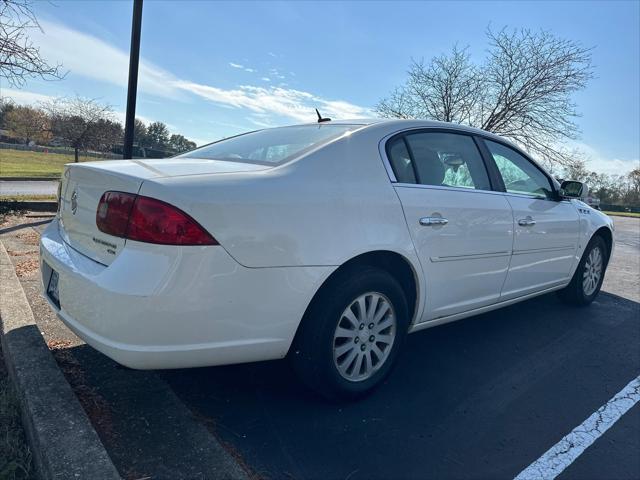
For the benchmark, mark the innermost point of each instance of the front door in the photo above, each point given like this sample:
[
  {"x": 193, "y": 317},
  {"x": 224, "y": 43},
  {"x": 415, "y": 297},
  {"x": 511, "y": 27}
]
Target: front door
[
  {"x": 546, "y": 230},
  {"x": 461, "y": 230}
]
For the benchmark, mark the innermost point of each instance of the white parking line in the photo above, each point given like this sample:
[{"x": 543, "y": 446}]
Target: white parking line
[{"x": 567, "y": 450}]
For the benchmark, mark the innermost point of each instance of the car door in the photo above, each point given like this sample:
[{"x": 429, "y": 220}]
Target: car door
[
  {"x": 462, "y": 231},
  {"x": 546, "y": 228}
]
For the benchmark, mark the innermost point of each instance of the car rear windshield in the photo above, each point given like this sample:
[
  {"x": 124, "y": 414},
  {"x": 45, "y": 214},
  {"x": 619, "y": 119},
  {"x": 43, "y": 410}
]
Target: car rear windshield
[{"x": 272, "y": 146}]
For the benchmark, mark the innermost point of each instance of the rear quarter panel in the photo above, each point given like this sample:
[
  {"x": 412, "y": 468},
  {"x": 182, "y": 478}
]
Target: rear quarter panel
[{"x": 322, "y": 209}]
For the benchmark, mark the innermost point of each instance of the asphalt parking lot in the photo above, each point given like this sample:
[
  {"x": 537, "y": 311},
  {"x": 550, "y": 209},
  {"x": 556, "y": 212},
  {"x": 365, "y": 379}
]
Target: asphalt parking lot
[{"x": 480, "y": 398}]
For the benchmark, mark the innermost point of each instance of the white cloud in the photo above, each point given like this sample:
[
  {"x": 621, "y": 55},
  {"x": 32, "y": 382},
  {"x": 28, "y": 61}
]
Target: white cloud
[
  {"x": 598, "y": 162},
  {"x": 294, "y": 104},
  {"x": 88, "y": 56},
  {"x": 266, "y": 79},
  {"x": 25, "y": 98},
  {"x": 616, "y": 166},
  {"x": 121, "y": 117},
  {"x": 276, "y": 73},
  {"x": 242, "y": 67},
  {"x": 261, "y": 123}
]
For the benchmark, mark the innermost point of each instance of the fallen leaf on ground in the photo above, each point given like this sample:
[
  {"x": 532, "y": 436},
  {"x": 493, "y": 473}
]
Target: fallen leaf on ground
[
  {"x": 58, "y": 344},
  {"x": 19, "y": 254},
  {"x": 27, "y": 267},
  {"x": 30, "y": 237}
]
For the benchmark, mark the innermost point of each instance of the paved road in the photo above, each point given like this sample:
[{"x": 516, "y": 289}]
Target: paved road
[
  {"x": 623, "y": 274},
  {"x": 10, "y": 187},
  {"x": 480, "y": 398}
]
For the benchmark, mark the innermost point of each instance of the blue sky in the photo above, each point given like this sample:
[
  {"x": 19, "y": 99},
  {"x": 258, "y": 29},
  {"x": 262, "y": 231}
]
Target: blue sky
[{"x": 212, "y": 69}]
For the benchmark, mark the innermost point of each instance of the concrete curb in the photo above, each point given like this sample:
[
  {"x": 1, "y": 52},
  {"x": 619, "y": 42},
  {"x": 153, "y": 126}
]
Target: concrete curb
[
  {"x": 62, "y": 439},
  {"x": 29, "y": 179},
  {"x": 35, "y": 206}
]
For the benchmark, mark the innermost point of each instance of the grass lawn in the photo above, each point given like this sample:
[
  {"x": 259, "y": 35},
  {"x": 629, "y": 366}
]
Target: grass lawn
[
  {"x": 18, "y": 163},
  {"x": 624, "y": 214},
  {"x": 27, "y": 198}
]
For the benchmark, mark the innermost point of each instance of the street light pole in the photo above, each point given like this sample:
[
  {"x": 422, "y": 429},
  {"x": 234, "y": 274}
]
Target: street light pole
[{"x": 134, "y": 60}]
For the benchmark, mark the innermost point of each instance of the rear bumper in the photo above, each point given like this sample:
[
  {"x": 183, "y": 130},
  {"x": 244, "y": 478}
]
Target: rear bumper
[{"x": 159, "y": 306}]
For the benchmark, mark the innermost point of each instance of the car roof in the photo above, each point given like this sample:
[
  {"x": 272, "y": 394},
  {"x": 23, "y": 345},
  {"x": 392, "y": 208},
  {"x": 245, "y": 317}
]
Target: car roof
[{"x": 402, "y": 123}]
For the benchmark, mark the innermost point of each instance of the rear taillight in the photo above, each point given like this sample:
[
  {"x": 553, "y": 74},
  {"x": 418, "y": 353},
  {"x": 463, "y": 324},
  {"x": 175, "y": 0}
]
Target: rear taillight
[
  {"x": 146, "y": 219},
  {"x": 113, "y": 213}
]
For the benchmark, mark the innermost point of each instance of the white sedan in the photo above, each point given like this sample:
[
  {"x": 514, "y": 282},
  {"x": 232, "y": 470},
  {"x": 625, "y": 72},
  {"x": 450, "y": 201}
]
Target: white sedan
[{"x": 326, "y": 243}]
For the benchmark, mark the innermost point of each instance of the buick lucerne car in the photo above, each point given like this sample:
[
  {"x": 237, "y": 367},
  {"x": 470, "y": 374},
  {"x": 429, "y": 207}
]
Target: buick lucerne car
[{"x": 325, "y": 243}]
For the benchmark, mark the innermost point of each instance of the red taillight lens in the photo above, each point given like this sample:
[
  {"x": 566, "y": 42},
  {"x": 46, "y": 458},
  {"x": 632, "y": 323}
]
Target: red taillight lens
[
  {"x": 114, "y": 211},
  {"x": 154, "y": 221},
  {"x": 148, "y": 220}
]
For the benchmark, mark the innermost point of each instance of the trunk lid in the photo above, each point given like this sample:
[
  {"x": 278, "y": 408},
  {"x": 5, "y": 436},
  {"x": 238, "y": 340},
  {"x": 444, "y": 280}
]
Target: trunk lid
[
  {"x": 80, "y": 193},
  {"x": 83, "y": 184}
]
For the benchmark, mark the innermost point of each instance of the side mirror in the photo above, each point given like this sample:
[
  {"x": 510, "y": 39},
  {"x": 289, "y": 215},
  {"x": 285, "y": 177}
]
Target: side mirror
[{"x": 573, "y": 189}]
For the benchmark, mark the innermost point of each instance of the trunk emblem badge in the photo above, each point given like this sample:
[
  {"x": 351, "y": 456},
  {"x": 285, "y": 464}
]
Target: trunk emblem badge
[{"x": 74, "y": 202}]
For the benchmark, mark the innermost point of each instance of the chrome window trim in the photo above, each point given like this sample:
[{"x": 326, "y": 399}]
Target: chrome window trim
[
  {"x": 442, "y": 187},
  {"x": 382, "y": 149},
  {"x": 534, "y": 197},
  {"x": 474, "y": 190},
  {"x": 392, "y": 176}
]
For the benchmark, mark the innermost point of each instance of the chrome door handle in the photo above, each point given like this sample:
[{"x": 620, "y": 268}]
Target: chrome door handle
[
  {"x": 433, "y": 221},
  {"x": 526, "y": 222}
]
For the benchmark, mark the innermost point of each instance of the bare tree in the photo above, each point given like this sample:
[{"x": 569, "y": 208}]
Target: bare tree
[
  {"x": 634, "y": 187},
  {"x": 83, "y": 124},
  {"x": 28, "y": 124},
  {"x": 20, "y": 59},
  {"x": 446, "y": 89},
  {"x": 521, "y": 91}
]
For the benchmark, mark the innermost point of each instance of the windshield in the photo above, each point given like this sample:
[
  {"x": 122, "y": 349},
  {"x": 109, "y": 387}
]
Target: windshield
[{"x": 271, "y": 146}]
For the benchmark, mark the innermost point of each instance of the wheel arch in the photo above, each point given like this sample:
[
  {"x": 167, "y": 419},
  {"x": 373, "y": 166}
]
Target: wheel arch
[
  {"x": 607, "y": 236},
  {"x": 396, "y": 264}
]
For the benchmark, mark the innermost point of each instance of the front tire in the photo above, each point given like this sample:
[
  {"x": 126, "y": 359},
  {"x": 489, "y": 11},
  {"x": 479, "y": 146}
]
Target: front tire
[
  {"x": 351, "y": 334},
  {"x": 588, "y": 277}
]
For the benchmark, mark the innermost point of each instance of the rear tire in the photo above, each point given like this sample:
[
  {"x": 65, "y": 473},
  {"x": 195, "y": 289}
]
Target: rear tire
[
  {"x": 588, "y": 277},
  {"x": 351, "y": 334}
]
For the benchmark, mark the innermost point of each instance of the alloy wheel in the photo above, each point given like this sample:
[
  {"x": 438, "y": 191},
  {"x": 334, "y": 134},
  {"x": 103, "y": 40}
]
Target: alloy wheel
[
  {"x": 364, "y": 336},
  {"x": 592, "y": 271}
]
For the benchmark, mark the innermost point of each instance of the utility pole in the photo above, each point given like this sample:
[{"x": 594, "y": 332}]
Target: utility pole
[{"x": 134, "y": 60}]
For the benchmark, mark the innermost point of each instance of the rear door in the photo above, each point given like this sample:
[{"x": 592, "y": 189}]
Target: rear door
[
  {"x": 462, "y": 231},
  {"x": 546, "y": 229}
]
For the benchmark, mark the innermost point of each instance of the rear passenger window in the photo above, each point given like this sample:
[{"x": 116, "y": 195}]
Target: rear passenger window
[
  {"x": 442, "y": 159},
  {"x": 401, "y": 161}
]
